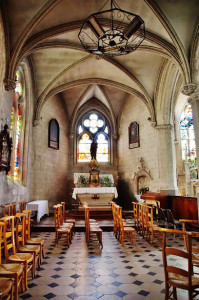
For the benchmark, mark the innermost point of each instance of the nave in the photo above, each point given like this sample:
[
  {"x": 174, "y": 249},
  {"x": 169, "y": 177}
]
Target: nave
[{"x": 116, "y": 272}]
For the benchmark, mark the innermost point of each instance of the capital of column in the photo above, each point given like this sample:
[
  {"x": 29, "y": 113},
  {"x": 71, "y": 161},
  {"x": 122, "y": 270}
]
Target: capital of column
[
  {"x": 193, "y": 98},
  {"x": 71, "y": 136},
  {"x": 188, "y": 89},
  {"x": 153, "y": 124},
  {"x": 36, "y": 123},
  {"x": 115, "y": 137},
  {"x": 9, "y": 84}
]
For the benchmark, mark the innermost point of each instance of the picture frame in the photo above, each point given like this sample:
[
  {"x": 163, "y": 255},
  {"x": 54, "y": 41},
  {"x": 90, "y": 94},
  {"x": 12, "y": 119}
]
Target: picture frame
[
  {"x": 134, "y": 139},
  {"x": 53, "y": 134}
]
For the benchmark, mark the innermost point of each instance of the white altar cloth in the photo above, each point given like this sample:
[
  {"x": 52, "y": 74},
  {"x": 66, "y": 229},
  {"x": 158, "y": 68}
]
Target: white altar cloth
[
  {"x": 94, "y": 190},
  {"x": 41, "y": 206}
]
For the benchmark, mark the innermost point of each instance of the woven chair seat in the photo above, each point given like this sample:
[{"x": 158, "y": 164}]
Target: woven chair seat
[
  {"x": 27, "y": 248},
  {"x": 66, "y": 225},
  {"x": 96, "y": 229},
  {"x": 129, "y": 229},
  {"x": 5, "y": 286},
  {"x": 62, "y": 230},
  {"x": 21, "y": 256},
  {"x": 183, "y": 281},
  {"x": 12, "y": 268},
  {"x": 35, "y": 241}
]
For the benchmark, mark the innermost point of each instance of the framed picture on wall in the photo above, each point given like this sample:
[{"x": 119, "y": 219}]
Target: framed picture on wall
[
  {"x": 53, "y": 134},
  {"x": 134, "y": 139}
]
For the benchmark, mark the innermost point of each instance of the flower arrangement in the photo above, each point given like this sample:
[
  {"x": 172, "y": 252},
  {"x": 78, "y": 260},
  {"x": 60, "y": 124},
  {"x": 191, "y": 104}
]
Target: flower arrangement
[
  {"x": 82, "y": 181},
  {"x": 94, "y": 164},
  {"x": 106, "y": 181}
]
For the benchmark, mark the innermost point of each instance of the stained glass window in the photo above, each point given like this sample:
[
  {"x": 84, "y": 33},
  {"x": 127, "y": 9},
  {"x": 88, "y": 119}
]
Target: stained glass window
[
  {"x": 18, "y": 88},
  {"x": 17, "y": 146},
  {"x": 16, "y": 132},
  {"x": 84, "y": 148},
  {"x": 187, "y": 134},
  {"x": 93, "y": 127}
]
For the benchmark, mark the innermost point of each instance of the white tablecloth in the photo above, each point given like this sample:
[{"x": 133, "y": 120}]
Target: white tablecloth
[
  {"x": 95, "y": 190},
  {"x": 41, "y": 206}
]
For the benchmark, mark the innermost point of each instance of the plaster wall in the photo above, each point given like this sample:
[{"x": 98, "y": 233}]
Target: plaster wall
[
  {"x": 50, "y": 166},
  {"x": 128, "y": 159}
]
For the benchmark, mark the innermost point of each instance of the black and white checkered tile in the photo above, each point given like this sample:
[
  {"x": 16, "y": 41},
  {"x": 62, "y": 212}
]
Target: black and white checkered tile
[{"x": 90, "y": 273}]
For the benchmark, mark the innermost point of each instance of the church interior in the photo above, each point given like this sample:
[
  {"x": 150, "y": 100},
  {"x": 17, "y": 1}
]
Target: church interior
[{"x": 99, "y": 106}]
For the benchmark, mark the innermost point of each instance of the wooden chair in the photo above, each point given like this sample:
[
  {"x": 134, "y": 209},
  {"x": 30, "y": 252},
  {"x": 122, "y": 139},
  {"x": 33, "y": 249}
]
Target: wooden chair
[
  {"x": 20, "y": 240},
  {"x": 177, "y": 277},
  {"x": 63, "y": 222},
  {"x": 118, "y": 211},
  {"x": 152, "y": 229},
  {"x": 140, "y": 217},
  {"x": 6, "y": 288},
  {"x": 32, "y": 240},
  {"x": 195, "y": 250},
  {"x": 92, "y": 229},
  {"x": 59, "y": 231},
  {"x": 64, "y": 215},
  {"x": 135, "y": 213},
  {"x": 126, "y": 232},
  {"x": 22, "y": 206},
  {"x": 145, "y": 211},
  {"x": 7, "y": 210},
  {"x": 113, "y": 205},
  {"x": 27, "y": 259},
  {"x": 14, "y": 271}
]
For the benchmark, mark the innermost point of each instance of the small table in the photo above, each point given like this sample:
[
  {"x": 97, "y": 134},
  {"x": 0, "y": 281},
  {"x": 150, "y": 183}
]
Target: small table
[{"x": 40, "y": 206}]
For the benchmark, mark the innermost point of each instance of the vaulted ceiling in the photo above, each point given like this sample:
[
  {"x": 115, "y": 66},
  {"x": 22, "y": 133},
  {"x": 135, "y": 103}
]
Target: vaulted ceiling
[{"x": 45, "y": 32}]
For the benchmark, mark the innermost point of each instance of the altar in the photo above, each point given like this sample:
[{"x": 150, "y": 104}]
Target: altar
[{"x": 95, "y": 196}]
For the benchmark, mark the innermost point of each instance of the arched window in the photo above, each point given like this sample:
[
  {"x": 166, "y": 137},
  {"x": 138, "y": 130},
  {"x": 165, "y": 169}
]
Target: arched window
[
  {"x": 187, "y": 135},
  {"x": 53, "y": 134},
  {"x": 93, "y": 127},
  {"x": 17, "y": 130}
]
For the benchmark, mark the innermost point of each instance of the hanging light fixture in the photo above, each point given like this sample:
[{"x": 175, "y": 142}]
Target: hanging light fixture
[{"x": 112, "y": 32}]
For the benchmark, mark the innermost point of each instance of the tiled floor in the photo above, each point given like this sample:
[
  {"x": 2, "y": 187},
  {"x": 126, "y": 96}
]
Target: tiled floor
[{"x": 116, "y": 272}]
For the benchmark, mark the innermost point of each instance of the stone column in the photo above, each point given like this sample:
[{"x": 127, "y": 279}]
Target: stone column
[
  {"x": 166, "y": 159},
  {"x": 194, "y": 101}
]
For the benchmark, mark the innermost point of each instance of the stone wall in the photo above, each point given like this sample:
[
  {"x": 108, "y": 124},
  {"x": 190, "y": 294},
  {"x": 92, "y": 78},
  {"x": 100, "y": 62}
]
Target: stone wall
[
  {"x": 50, "y": 166},
  {"x": 129, "y": 159}
]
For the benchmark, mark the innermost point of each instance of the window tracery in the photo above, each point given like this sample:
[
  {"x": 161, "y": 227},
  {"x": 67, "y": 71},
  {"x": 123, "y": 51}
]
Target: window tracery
[{"x": 93, "y": 127}]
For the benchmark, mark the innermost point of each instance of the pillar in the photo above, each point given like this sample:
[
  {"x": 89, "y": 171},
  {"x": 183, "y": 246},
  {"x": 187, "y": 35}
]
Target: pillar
[
  {"x": 194, "y": 101},
  {"x": 166, "y": 159}
]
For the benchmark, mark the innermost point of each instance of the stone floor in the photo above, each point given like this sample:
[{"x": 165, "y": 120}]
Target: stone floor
[{"x": 89, "y": 273}]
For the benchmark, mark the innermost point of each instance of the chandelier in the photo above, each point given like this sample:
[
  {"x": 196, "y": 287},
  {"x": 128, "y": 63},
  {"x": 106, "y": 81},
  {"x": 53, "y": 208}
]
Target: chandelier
[{"x": 112, "y": 32}]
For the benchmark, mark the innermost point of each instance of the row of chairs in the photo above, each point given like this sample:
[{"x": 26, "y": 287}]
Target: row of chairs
[
  {"x": 143, "y": 216},
  {"x": 121, "y": 229},
  {"x": 63, "y": 226},
  {"x": 21, "y": 256},
  {"x": 13, "y": 208},
  {"x": 91, "y": 227}
]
